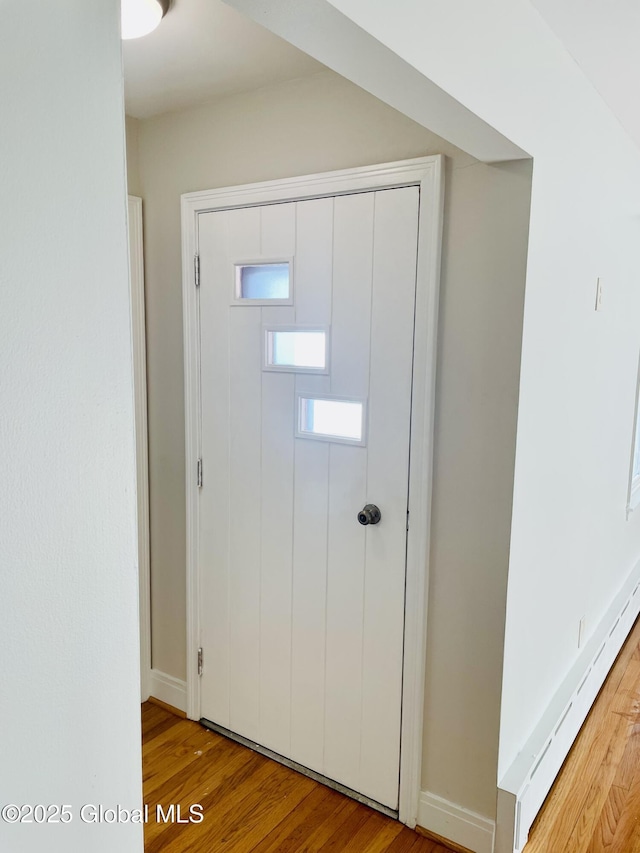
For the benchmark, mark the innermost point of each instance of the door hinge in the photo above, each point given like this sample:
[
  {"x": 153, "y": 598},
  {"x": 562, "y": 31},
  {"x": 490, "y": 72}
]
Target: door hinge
[
  {"x": 196, "y": 269},
  {"x": 407, "y": 521},
  {"x": 199, "y": 474},
  {"x": 200, "y": 661}
]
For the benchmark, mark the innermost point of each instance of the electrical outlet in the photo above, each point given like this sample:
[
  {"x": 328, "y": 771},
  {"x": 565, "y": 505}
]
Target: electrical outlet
[
  {"x": 582, "y": 624},
  {"x": 599, "y": 294}
]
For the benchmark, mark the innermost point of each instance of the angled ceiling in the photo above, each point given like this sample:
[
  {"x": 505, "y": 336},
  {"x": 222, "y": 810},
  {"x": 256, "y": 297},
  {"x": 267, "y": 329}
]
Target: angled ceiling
[
  {"x": 603, "y": 37},
  {"x": 202, "y": 51},
  {"x": 205, "y": 50}
]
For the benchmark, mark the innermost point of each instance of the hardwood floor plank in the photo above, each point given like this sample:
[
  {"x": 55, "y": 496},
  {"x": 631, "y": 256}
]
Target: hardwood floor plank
[
  {"x": 326, "y": 829},
  {"x": 337, "y": 842},
  {"x": 385, "y": 834},
  {"x": 291, "y": 833},
  {"x": 160, "y": 727},
  {"x": 262, "y": 810},
  {"x": 610, "y": 815},
  {"x": 157, "y": 723},
  {"x": 427, "y": 845},
  {"x": 160, "y": 742},
  {"x": 630, "y": 762},
  {"x": 597, "y": 793},
  {"x": 628, "y": 705},
  {"x": 151, "y": 715},
  {"x": 374, "y": 835},
  {"x": 235, "y": 777},
  {"x": 408, "y": 841},
  {"x": 165, "y": 750},
  {"x": 193, "y": 772},
  {"x": 217, "y": 769},
  {"x": 626, "y": 836}
]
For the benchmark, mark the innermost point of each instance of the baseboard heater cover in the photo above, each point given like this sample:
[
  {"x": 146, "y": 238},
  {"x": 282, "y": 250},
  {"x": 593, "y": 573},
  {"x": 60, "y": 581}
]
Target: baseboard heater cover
[{"x": 524, "y": 787}]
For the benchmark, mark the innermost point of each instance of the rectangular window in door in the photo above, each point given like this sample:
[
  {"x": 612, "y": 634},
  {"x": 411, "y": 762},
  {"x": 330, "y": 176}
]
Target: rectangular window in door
[
  {"x": 296, "y": 349},
  {"x": 333, "y": 419},
  {"x": 268, "y": 282}
]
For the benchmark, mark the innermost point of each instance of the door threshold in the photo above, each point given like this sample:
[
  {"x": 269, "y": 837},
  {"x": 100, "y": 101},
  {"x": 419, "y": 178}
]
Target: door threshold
[{"x": 288, "y": 762}]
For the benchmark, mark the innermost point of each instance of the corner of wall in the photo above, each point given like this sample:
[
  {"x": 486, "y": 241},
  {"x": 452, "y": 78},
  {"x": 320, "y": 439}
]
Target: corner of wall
[
  {"x": 453, "y": 823},
  {"x": 132, "y": 129},
  {"x": 172, "y": 691}
]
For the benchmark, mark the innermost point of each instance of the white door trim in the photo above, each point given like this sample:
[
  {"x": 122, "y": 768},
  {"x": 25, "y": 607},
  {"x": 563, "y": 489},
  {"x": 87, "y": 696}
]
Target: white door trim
[
  {"x": 427, "y": 173},
  {"x": 138, "y": 342}
]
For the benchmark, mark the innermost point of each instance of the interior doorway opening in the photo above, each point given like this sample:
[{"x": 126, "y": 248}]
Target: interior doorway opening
[{"x": 309, "y": 121}]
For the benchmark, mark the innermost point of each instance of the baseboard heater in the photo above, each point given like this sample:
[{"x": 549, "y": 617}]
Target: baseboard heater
[{"x": 523, "y": 788}]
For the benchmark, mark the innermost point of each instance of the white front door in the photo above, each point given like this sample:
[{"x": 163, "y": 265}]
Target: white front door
[{"x": 306, "y": 354}]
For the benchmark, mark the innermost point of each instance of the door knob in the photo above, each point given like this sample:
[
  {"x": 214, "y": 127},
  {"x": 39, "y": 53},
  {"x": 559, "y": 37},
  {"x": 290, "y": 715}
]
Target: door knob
[{"x": 369, "y": 515}]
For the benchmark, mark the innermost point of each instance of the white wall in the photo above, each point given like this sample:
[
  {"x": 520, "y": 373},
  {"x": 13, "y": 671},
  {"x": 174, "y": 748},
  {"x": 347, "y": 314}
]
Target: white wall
[
  {"x": 133, "y": 158},
  {"x": 482, "y": 293},
  {"x": 321, "y": 123},
  {"x": 69, "y": 701},
  {"x": 571, "y": 546}
]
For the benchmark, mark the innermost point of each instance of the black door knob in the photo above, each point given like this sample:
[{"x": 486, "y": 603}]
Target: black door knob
[{"x": 369, "y": 515}]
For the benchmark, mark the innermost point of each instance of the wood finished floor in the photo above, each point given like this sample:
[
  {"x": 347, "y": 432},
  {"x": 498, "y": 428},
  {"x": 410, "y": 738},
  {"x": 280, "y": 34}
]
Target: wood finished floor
[
  {"x": 251, "y": 804},
  {"x": 594, "y": 805}
]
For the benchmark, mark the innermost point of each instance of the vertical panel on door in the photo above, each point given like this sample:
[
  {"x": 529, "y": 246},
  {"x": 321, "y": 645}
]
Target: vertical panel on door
[
  {"x": 215, "y": 519},
  {"x": 350, "y": 341},
  {"x": 394, "y": 281},
  {"x": 245, "y": 504},
  {"x": 314, "y": 268},
  {"x": 278, "y": 234}
]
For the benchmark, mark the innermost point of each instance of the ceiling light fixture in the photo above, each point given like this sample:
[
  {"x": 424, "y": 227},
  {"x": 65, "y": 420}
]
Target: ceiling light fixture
[{"x": 140, "y": 17}]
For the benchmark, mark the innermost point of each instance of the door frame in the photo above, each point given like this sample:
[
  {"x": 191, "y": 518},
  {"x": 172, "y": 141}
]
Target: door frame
[
  {"x": 427, "y": 173},
  {"x": 138, "y": 349}
]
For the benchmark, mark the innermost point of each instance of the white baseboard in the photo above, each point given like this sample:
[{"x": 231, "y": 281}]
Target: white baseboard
[
  {"x": 524, "y": 787},
  {"x": 454, "y": 823},
  {"x": 168, "y": 689}
]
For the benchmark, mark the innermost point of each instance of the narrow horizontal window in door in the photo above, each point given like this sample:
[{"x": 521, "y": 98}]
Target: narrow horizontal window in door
[
  {"x": 331, "y": 419},
  {"x": 266, "y": 282},
  {"x": 292, "y": 348}
]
